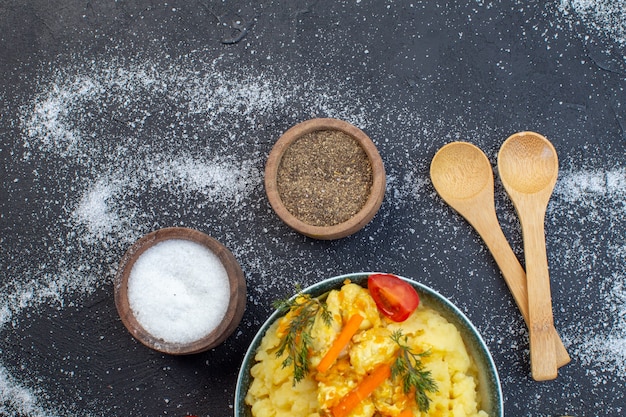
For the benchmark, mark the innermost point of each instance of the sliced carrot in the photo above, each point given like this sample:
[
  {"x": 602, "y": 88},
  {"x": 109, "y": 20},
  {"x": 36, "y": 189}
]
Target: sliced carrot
[
  {"x": 342, "y": 340},
  {"x": 362, "y": 391},
  {"x": 407, "y": 412}
]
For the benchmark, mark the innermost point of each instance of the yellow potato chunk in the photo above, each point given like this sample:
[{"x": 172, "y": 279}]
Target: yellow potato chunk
[{"x": 272, "y": 392}]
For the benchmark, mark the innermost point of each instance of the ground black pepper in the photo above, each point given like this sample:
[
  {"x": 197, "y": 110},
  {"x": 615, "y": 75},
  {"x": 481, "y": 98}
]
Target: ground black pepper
[{"x": 324, "y": 178}]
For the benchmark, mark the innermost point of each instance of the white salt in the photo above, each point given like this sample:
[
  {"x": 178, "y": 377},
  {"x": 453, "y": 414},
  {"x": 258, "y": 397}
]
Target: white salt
[
  {"x": 14, "y": 395},
  {"x": 95, "y": 212},
  {"x": 178, "y": 290},
  {"x": 607, "y": 17}
]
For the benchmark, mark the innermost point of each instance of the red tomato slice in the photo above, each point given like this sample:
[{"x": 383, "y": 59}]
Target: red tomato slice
[{"x": 394, "y": 297}]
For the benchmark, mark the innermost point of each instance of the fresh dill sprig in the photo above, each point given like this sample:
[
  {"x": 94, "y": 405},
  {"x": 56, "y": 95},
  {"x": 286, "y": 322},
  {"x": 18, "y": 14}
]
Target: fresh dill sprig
[
  {"x": 409, "y": 367},
  {"x": 296, "y": 340}
]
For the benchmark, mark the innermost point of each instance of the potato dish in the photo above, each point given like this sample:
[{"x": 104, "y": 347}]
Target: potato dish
[{"x": 274, "y": 393}]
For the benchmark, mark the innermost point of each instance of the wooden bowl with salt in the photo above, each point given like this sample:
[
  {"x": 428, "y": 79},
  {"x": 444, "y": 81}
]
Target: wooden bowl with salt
[
  {"x": 325, "y": 178},
  {"x": 179, "y": 291}
]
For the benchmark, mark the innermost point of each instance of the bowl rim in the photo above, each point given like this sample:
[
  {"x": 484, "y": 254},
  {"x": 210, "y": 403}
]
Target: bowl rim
[
  {"x": 356, "y": 222},
  {"x": 237, "y": 297},
  {"x": 426, "y": 293}
]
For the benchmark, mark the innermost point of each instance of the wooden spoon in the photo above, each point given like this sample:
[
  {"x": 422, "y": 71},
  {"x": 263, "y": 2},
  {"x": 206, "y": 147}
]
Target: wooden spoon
[
  {"x": 463, "y": 177},
  {"x": 528, "y": 167}
]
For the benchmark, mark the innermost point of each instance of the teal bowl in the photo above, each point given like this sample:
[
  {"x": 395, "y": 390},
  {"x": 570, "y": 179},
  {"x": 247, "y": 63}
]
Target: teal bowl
[{"x": 490, "y": 390}]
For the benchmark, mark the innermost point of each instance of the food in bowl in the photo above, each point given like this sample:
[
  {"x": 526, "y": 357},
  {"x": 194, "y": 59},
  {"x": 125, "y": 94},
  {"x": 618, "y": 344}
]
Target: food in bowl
[{"x": 367, "y": 376}]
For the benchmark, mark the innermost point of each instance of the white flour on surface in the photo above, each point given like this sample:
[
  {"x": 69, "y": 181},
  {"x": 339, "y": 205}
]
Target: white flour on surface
[
  {"x": 608, "y": 347},
  {"x": 594, "y": 198},
  {"x": 606, "y": 17},
  {"x": 220, "y": 181},
  {"x": 15, "y": 396}
]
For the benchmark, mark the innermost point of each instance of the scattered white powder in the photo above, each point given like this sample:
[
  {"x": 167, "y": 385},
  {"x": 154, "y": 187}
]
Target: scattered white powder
[
  {"x": 104, "y": 209},
  {"x": 218, "y": 180},
  {"x": 606, "y": 17},
  {"x": 592, "y": 198},
  {"x": 178, "y": 290},
  {"x": 5, "y": 314},
  {"x": 577, "y": 186},
  {"x": 14, "y": 396},
  {"x": 609, "y": 346},
  {"x": 95, "y": 212}
]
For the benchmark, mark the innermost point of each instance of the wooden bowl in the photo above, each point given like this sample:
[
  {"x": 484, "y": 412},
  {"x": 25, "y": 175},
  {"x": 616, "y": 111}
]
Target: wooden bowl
[
  {"x": 236, "y": 301},
  {"x": 353, "y": 224}
]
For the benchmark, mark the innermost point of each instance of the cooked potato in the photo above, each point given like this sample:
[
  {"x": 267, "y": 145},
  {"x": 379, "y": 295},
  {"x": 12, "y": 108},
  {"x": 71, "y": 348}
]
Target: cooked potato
[{"x": 272, "y": 392}]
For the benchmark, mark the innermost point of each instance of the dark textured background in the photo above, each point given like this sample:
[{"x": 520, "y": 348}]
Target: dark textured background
[{"x": 165, "y": 82}]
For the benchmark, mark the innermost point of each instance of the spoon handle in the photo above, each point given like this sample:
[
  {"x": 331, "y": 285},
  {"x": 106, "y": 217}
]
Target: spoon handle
[
  {"x": 541, "y": 321},
  {"x": 514, "y": 275},
  {"x": 486, "y": 224}
]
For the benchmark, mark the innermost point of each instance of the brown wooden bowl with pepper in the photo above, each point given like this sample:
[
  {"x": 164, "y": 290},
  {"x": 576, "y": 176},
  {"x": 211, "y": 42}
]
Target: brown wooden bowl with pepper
[{"x": 325, "y": 178}]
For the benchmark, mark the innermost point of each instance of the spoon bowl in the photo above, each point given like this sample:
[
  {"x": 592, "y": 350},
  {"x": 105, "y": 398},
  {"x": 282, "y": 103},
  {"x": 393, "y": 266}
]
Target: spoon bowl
[
  {"x": 529, "y": 150},
  {"x": 460, "y": 171},
  {"x": 528, "y": 167}
]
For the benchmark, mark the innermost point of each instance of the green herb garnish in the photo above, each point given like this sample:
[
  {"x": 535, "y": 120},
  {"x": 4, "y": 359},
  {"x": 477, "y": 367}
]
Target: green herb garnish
[
  {"x": 297, "y": 340},
  {"x": 409, "y": 367}
]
